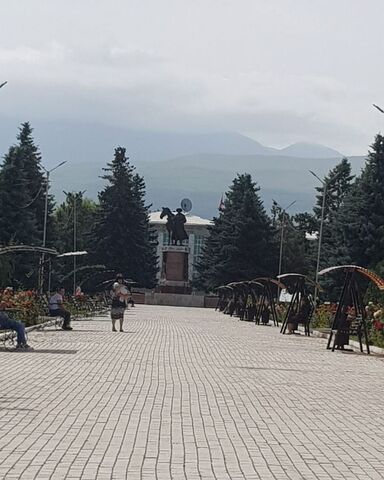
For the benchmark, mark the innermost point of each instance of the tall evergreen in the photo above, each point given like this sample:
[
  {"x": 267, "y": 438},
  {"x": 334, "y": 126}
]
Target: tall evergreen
[
  {"x": 121, "y": 234},
  {"x": 23, "y": 188},
  {"x": 240, "y": 245},
  {"x": 339, "y": 185},
  {"x": 362, "y": 219},
  {"x": 339, "y": 182},
  {"x": 17, "y": 221},
  {"x": 22, "y": 203},
  {"x": 36, "y": 181}
]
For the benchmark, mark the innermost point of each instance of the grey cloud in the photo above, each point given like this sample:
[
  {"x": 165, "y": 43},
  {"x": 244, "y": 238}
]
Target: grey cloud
[{"x": 139, "y": 88}]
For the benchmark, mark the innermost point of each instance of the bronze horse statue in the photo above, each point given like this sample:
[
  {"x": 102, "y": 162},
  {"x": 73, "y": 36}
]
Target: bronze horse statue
[{"x": 175, "y": 225}]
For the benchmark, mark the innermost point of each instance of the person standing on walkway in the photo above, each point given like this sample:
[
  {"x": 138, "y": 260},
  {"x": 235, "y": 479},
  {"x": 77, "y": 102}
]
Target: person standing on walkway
[
  {"x": 56, "y": 308},
  {"x": 120, "y": 296}
]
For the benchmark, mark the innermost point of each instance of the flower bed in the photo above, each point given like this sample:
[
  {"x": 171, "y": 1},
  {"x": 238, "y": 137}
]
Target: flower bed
[
  {"x": 323, "y": 316},
  {"x": 22, "y": 305}
]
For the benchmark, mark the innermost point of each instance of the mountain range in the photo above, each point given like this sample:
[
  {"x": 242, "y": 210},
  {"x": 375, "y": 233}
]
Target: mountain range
[{"x": 178, "y": 165}]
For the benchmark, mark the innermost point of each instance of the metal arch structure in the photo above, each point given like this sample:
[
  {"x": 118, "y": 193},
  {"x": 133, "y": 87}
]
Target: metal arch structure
[
  {"x": 267, "y": 304},
  {"x": 372, "y": 276},
  {"x": 50, "y": 252},
  {"x": 240, "y": 294},
  {"x": 252, "y": 301},
  {"x": 108, "y": 283},
  {"x": 224, "y": 297},
  {"x": 350, "y": 317},
  {"x": 298, "y": 312},
  {"x": 27, "y": 248}
]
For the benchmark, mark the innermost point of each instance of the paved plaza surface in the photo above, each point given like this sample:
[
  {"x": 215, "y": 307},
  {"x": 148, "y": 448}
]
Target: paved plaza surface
[{"x": 188, "y": 393}]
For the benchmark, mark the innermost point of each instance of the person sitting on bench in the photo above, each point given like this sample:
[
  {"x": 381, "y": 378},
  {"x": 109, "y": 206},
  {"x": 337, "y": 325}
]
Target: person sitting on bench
[
  {"x": 56, "y": 308},
  {"x": 7, "y": 323}
]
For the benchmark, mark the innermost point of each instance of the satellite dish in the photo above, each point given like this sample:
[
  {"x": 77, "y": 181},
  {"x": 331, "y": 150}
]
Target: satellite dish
[{"x": 186, "y": 205}]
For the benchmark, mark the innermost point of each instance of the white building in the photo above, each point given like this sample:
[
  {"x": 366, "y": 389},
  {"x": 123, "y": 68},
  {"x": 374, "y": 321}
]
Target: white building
[{"x": 196, "y": 228}]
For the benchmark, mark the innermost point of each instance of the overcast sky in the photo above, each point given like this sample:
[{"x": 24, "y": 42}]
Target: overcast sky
[{"x": 280, "y": 71}]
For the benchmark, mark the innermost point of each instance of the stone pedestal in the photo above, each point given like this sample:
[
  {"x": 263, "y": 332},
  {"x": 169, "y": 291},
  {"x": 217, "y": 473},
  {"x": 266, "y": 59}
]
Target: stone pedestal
[{"x": 174, "y": 275}]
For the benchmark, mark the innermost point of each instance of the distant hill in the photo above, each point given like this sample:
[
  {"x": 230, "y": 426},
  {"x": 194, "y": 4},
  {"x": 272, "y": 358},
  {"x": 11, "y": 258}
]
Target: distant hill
[
  {"x": 309, "y": 150},
  {"x": 84, "y": 142},
  {"x": 203, "y": 178},
  {"x": 177, "y": 165}
]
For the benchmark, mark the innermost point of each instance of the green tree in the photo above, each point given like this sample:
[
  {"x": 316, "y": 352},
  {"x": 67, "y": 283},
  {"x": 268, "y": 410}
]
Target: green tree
[
  {"x": 339, "y": 183},
  {"x": 361, "y": 222},
  {"x": 22, "y": 203},
  {"x": 36, "y": 181},
  {"x": 240, "y": 245},
  {"x": 82, "y": 211},
  {"x": 294, "y": 251},
  {"x": 17, "y": 221},
  {"x": 85, "y": 211},
  {"x": 121, "y": 235}
]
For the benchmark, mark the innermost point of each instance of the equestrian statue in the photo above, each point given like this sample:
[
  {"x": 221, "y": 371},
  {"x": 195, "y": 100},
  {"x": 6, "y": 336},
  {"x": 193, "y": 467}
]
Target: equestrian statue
[{"x": 175, "y": 225}]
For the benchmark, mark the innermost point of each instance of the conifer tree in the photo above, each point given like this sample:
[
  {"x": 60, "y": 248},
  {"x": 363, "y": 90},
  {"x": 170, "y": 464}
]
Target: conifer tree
[
  {"x": 17, "y": 221},
  {"x": 362, "y": 218},
  {"x": 339, "y": 184},
  {"x": 22, "y": 203},
  {"x": 31, "y": 159},
  {"x": 240, "y": 245},
  {"x": 122, "y": 235}
]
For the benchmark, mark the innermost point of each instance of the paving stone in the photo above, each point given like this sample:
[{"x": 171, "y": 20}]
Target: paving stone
[{"x": 188, "y": 394}]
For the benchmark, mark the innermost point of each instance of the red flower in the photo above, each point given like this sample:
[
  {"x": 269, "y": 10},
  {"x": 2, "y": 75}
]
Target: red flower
[{"x": 378, "y": 325}]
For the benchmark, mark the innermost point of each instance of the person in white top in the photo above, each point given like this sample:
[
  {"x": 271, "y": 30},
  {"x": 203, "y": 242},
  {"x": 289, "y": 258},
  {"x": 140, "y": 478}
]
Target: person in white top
[
  {"x": 56, "y": 308},
  {"x": 120, "y": 295}
]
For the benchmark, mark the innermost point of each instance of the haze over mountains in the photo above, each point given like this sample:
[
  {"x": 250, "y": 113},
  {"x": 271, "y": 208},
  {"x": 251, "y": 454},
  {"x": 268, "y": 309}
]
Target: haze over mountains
[{"x": 178, "y": 165}]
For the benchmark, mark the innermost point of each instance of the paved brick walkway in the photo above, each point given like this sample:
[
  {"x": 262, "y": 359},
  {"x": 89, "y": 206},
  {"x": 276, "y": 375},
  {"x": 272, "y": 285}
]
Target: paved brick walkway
[{"x": 188, "y": 394}]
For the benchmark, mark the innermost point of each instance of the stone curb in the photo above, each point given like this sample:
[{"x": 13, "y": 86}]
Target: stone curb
[{"x": 355, "y": 345}]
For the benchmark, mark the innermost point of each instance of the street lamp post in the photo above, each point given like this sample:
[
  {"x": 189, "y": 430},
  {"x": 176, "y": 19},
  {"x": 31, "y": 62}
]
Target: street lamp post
[
  {"x": 325, "y": 185},
  {"x": 48, "y": 172},
  {"x": 74, "y": 243},
  {"x": 75, "y": 237},
  {"x": 283, "y": 211},
  {"x": 74, "y": 199}
]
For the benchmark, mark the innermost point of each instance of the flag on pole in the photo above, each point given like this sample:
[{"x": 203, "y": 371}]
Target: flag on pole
[{"x": 221, "y": 204}]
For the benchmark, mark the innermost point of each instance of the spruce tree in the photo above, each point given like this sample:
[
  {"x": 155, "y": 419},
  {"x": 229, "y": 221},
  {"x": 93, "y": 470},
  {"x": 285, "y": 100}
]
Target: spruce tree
[
  {"x": 362, "y": 219},
  {"x": 339, "y": 185},
  {"x": 339, "y": 182},
  {"x": 22, "y": 203},
  {"x": 240, "y": 245},
  {"x": 17, "y": 221},
  {"x": 122, "y": 234},
  {"x": 36, "y": 181}
]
